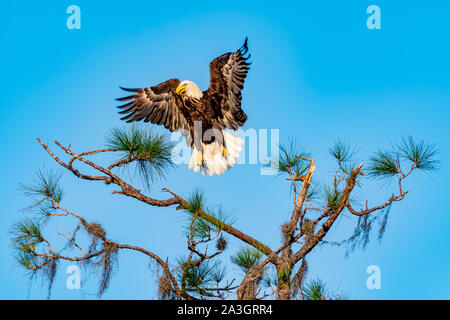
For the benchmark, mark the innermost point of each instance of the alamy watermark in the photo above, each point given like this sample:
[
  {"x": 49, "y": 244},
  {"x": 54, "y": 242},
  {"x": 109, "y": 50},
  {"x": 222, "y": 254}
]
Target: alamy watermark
[
  {"x": 254, "y": 151},
  {"x": 374, "y": 20},
  {"x": 74, "y": 20},
  {"x": 74, "y": 280},
  {"x": 374, "y": 280}
]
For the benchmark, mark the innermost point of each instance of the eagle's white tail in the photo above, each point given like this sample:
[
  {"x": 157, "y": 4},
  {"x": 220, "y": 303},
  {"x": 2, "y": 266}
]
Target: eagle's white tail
[{"x": 216, "y": 161}]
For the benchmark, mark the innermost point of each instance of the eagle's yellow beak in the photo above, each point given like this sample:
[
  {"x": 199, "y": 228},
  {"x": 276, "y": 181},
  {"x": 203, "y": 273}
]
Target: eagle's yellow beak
[{"x": 180, "y": 89}]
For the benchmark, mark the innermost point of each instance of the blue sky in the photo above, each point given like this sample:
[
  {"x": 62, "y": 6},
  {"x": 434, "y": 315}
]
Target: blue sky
[{"x": 318, "y": 74}]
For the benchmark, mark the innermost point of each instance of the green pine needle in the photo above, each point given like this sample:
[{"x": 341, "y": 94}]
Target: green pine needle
[
  {"x": 315, "y": 290},
  {"x": 422, "y": 154},
  {"x": 195, "y": 201},
  {"x": 197, "y": 277},
  {"x": 332, "y": 197},
  {"x": 46, "y": 185},
  {"x": 246, "y": 258},
  {"x": 218, "y": 273},
  {"x": 341, "y": 151},
  {"x": 26, "y": 235},
  {"x": 383, "y": 164},
  {"x": 313, "y": 192},
  {"x": 26, "y": 232},
  {"x": 200, "y": 228},
  {"x": 288, "y": 160},
  {"x": 151, "y": 153}
]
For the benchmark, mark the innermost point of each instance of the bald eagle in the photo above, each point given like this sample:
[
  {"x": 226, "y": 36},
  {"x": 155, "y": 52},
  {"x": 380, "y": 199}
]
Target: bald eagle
[{"x": 202, "y": 117}]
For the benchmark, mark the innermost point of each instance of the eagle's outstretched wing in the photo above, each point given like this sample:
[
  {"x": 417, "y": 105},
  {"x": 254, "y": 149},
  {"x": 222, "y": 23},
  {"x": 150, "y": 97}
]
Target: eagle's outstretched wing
[
  {"x": 158, "y": 104},
  {"x": 227, "y": 74}
]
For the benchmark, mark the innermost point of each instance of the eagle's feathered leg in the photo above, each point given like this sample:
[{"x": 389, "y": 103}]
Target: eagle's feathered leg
[{"x": 216, "y": 158}]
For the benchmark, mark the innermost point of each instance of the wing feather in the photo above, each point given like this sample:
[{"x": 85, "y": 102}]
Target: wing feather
[
  {"x": 158, "y": 105},
  {"x": 228, "y": 73}
]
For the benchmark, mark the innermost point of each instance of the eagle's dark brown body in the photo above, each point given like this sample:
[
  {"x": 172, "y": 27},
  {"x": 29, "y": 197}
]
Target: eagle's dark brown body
[{"x": 206, "y": 111}]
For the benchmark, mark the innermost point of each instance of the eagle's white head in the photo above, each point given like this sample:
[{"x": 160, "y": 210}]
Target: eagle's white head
[{"x": 190, "y": 89}]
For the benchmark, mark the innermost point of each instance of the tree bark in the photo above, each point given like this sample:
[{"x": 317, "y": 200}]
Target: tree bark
[
  {"x": 247, "y": 289},
  {"x": 284, "y": 281}
]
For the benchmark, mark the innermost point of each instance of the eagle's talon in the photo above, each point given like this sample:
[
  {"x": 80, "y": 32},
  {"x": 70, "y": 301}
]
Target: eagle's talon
[
  {"x": 224, "y": 151},
  {"x": 201, "y": 160}
]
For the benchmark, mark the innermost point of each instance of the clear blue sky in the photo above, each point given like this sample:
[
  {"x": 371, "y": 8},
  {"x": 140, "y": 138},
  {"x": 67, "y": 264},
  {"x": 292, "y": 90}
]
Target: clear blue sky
[{"x": 318, "y": 74}]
